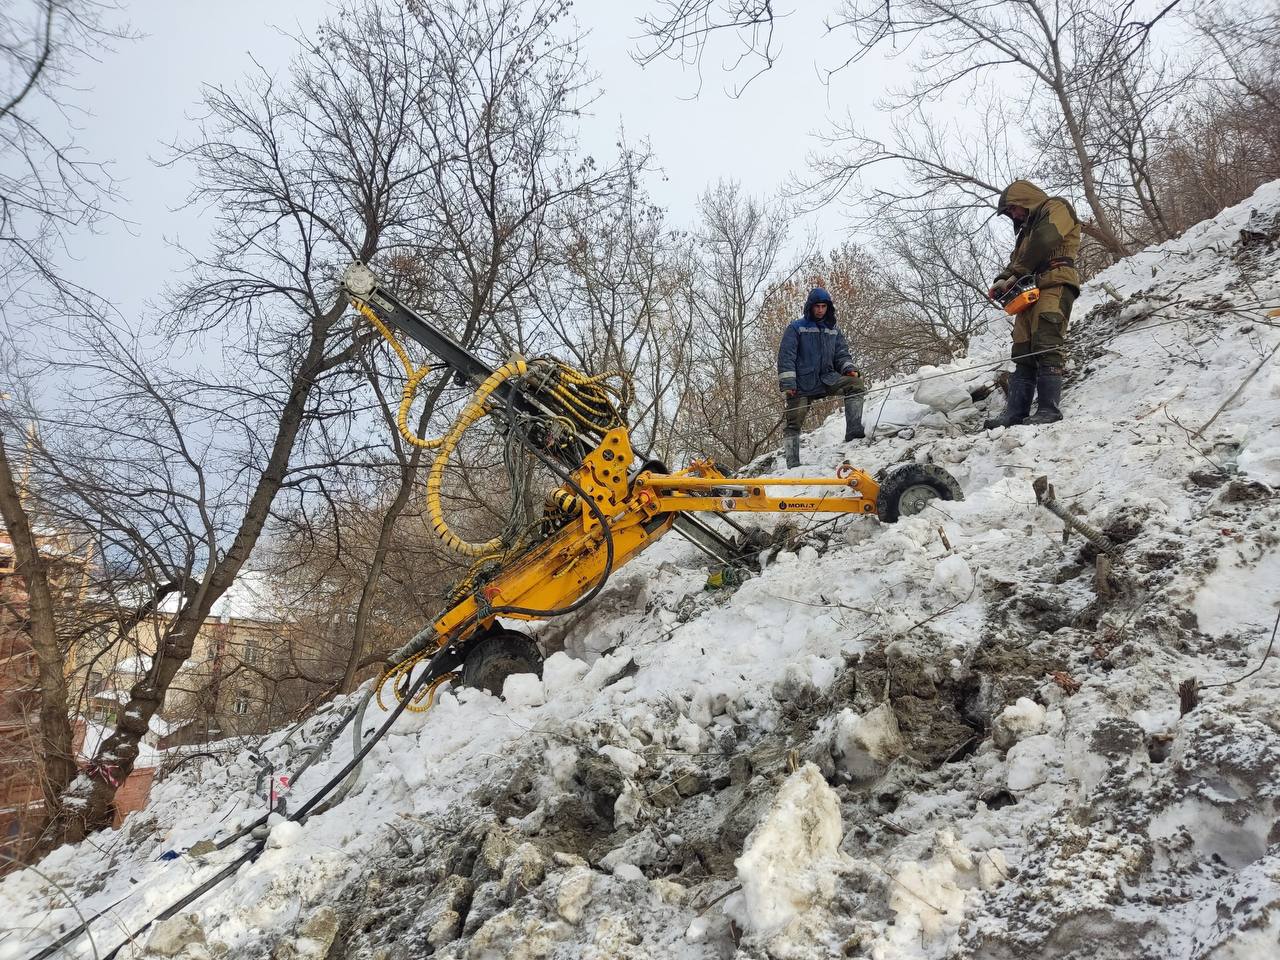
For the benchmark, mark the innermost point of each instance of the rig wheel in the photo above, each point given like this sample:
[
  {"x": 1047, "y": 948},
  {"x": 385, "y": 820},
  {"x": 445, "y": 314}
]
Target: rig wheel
[
  {"x": 497, "y": 656},
  {"x": 909, "y": 489}
]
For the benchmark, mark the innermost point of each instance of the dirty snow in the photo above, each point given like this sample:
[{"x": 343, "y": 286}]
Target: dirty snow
[{"x": 956, "y": 736}]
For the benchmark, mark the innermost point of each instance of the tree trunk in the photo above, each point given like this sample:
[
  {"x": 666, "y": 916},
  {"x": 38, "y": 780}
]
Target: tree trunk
[
  {"x": 118, "y": 754},
  {"x": 369, "y": 590},
  {"x": 1101, "y": 229},
  {"x": 55, "y": 725}
]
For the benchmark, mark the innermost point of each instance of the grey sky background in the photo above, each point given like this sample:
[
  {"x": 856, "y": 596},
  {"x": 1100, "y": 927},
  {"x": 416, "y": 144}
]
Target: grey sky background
[{"x": 141, "y": 97}]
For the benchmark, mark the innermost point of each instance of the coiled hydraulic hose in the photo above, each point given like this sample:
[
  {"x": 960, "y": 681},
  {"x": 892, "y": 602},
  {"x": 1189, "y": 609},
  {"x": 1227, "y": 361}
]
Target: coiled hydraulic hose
[
  {"x": 565, "y": 475},
  {"x": 415, "y": 652},
  {"x": 414, "y": 377},
  {"x": 445, "y": 445},
  {"x": 473, "y": 411}
]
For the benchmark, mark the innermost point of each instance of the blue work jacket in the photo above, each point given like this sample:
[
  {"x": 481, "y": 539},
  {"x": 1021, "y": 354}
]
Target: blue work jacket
[{"x": 813, "y": 355}]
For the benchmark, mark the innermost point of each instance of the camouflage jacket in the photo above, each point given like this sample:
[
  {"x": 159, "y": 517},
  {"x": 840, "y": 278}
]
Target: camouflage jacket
[{"x": 1050, "y": 233}]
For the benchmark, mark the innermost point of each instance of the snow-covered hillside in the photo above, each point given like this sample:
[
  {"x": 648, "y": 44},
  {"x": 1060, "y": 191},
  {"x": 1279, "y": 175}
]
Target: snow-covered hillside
[{"x": 956, "y": 736}]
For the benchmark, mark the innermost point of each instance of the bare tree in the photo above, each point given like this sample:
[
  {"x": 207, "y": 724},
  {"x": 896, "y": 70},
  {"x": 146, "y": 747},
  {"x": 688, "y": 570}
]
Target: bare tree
[
  {"x": 934, "y": 282},
  {"x": 1061, "y": 90},
  {"x": 507, "y": 84},
  {"x": 740, "y": 251},
  {"x": 32, "y": 563},
  {"x": 1215, "y": 156},
  {"x": 1215, "y": 152},
  {"x": 178, "y": 466},
  {"x": 1245, "y": 34},
  {"x": 1059, "y": 57},
  {"x": 680, "y": 30},
  {"x": 498, "y": 88},
  {"x": 48, "y": 187},
  {"x": 605, "y": 302}
]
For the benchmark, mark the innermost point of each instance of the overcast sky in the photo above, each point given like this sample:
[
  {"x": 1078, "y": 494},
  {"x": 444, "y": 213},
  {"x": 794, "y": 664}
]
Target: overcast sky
[{"x": 141, "y": 97}]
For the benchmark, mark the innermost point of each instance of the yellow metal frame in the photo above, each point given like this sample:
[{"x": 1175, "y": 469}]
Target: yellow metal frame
[
  {"x": 703, "y": 488},
  {"x": 557, "y": 572},
  {"x": 562, "y": 568}
]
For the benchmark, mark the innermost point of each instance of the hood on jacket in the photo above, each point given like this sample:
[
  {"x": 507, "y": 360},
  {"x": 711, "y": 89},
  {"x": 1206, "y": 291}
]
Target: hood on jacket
[
  {"x": 1022, "y": 193},
  {"x": 820, "y": 295}
]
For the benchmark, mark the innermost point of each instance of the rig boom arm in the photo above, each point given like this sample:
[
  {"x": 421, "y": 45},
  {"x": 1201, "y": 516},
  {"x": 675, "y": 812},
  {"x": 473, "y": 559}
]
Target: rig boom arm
[{"x": 611, "y": 506}]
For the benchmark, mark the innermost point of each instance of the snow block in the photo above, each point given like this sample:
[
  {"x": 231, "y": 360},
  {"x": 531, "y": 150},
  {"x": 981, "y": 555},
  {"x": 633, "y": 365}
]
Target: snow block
[
  {"x": 865, "y": 744},
  {"x": 284, "y": 834},
  {"x": 627, "y": 761},
  {"x": 943, "y": 394},
  {"x": 1031, "y": 761},
  {"x": 787, "y": 865},
  {"x": 628, "y": 872},
  {"x": 953, "y": 575},
  {"x": 928, "y": 898},
  {"x": 523, "y": 690},
  {"x": 177, "y": 935},
  {"x": 607, "y": 669},
  {"x": 1017, "y": 721},
  {"x": 561, "y": 673},
  {"x": 574, "y": 893}
]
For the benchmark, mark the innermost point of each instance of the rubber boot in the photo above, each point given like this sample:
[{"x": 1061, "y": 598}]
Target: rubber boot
[
  {"x": 791, "y": 447},
  {"x": 853, "y": 418},
  {"x": 1022, "y": 387},
  {"x": 1048, "y": 396}
]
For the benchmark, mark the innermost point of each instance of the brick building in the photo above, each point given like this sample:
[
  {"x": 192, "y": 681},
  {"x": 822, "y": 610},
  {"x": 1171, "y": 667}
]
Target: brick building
[
  {"x": 225, "y": 688},
  {"x": 21, "y": 764}
]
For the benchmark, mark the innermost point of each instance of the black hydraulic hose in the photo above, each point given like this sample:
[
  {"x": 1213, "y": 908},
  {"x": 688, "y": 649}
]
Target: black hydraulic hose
[
  {"x": 330, "y": 738},
  {"x": 221, "y": 844},
  {"x": 300, "y": 815},
  {"x": 247, "y": 857},
  {"x": 560, "y": 471},
  {"x": 311, "y": 758},
  {"x": 352, "y": 770}
]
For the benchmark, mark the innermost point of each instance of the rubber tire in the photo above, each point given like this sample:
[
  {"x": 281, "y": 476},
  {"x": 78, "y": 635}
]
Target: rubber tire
[
  {"x": 913, "y": 474},
  {"x": 497, "y": 656}
]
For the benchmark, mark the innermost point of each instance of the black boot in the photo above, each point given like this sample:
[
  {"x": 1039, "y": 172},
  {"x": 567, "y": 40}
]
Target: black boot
[
  {"x": 853, "y": 418},
  {"x": 1022, "y": 387},
  {"x": 1048, "y": 396},
  {"x": 791, "y": 447}
]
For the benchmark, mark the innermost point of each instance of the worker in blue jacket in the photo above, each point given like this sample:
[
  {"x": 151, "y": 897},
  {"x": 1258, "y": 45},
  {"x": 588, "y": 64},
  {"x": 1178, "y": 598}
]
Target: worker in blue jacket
[{"x": 814, "y": 362}]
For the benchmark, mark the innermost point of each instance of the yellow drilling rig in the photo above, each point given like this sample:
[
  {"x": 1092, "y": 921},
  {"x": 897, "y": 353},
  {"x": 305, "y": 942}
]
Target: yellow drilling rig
[{"x": 610, "y": 505}]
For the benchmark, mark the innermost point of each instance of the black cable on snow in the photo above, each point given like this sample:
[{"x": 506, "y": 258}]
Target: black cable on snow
[
  {"x": 256, "y": 848},
  {"x": 312, "y": 805}
]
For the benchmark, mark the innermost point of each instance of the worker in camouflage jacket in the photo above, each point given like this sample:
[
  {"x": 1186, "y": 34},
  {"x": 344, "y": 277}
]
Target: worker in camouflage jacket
[
  {"x": 814, "y": 362},
  {"x": 1047, "y": 238}
]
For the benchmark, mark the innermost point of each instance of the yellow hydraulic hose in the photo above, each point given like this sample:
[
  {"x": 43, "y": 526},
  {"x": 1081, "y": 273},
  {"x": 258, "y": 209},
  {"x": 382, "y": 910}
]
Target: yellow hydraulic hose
[
  {"x": 585, "y": 401},
  {"x": 473, "y": 411},
  {"x": 445, "y": 445},
  {"x": 402, "y": 671},
  {"x": 414, "y": 375}
]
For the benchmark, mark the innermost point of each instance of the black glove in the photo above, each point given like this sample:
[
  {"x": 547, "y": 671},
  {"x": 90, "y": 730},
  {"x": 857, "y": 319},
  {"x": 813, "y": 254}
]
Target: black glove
[{"x": 999, "y": 286}]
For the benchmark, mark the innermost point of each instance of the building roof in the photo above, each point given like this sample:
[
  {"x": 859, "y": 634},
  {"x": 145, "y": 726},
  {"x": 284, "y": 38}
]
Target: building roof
[
  {"x": 252, "y": 596},
  {"x": 134, "y": 666}
]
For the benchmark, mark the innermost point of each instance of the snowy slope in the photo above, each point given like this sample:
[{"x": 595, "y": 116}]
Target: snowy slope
[{"x": 950, "y": 737}]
